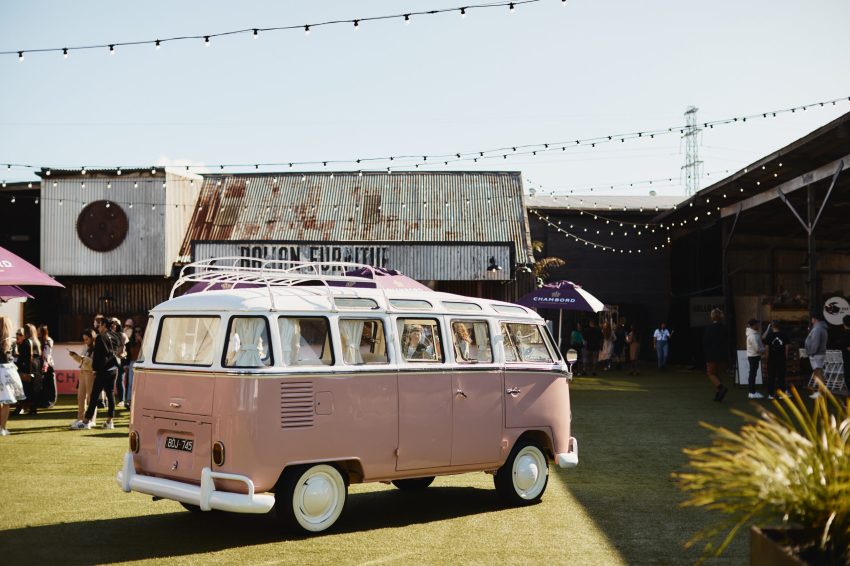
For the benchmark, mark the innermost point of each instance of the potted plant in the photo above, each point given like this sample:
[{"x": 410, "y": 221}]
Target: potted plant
[{"x": 788, "y": 466}]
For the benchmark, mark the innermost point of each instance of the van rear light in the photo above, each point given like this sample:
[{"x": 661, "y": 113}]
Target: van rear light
[
  {"x": 134, "y": 442},
  {"x": 218, "y": 453}
]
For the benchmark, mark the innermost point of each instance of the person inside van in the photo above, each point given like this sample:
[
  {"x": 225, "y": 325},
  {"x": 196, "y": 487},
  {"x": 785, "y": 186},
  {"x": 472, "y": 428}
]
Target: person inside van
[
  {"x": 415, "y": 346},
  {"x": 463, "y": 341}
]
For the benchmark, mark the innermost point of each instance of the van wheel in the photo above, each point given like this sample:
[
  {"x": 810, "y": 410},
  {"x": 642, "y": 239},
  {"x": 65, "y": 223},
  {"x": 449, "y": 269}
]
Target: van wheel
[
  {"x": 310, "y": 498},
  {"x": 523, "y": 477},
  {"x": 413, "y": 484}
]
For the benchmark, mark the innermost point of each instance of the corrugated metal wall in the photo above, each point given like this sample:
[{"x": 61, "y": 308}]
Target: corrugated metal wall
[
  {"x": 156, "y": 216},
  {"x": 346, "y": 207}
]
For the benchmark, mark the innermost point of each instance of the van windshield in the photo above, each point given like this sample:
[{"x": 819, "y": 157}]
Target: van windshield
[{"x": 525, "y": 343}]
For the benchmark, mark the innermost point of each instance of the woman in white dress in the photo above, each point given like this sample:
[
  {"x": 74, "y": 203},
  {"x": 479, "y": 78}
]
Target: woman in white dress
[{"x": 11, "y": 388}]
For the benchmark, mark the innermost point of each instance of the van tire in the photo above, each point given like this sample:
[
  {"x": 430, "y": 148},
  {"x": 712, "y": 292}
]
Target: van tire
[
  {"x": 414, "y": 484},
  {"x": 524, "y": 476},
  {"x": 310, "y": 498}
]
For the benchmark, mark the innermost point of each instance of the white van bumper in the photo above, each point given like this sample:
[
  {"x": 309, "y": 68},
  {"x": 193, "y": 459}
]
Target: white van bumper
[
  {"x": 568, "y": 459},
  {"x": 204, "y": 496}
]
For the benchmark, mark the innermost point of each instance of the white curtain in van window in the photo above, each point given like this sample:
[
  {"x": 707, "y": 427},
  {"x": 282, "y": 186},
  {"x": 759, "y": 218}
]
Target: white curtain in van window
[
  {"x": 203, "y": 340},
  {"x": 351, "y": 332},
  {"x": 250, "y": 330},
  {"x": 290, "y": 339},
  {"x": 482, "y": 352}
]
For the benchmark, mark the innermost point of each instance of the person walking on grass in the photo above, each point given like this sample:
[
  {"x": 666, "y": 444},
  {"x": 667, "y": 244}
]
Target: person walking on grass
[
  {"x": 816, "y": 349},
  {"x": 755, "y": 348},
  {"x": 714, "y": 347},
  {"x": 85, "y": 382},
  {"x": 661, "y": 343},
  {"x": 105, "y": 364},
  {"x": 593, "y": 340},
  {"x": 777, "y": 345}
]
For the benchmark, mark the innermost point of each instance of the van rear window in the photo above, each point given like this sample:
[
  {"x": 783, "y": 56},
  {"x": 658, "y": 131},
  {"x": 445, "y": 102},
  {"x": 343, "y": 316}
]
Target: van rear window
[{"x": 187, "y": 340}]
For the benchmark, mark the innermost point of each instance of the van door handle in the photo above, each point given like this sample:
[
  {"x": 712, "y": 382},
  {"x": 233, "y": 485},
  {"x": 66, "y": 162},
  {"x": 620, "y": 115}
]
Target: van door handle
[
  {"x": 461, "y": 393},
  {"x": 513, "y": 391}
]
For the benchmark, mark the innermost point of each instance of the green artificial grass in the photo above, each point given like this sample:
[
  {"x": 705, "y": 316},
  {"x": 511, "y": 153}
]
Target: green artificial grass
[{"x": 59, "y": 502}]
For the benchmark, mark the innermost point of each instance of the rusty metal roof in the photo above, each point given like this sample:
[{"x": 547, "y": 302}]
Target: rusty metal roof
[{"x": 406, "y": 206}]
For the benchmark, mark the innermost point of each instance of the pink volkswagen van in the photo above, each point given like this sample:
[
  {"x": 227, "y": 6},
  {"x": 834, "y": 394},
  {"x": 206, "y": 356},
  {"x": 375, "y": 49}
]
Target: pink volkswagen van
[{"x": 278, "y": 385}]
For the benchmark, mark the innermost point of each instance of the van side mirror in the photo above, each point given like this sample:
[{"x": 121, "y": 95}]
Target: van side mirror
[{"x": 572, "y": 357}]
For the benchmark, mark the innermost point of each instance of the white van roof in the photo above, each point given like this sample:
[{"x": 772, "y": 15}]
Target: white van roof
[
  {"x": 326, "y": 299},
  {"x": 255, "y": 285}
]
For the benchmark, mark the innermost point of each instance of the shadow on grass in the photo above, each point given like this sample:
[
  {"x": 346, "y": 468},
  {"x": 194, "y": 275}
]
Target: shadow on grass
[
  {"x": 631, "y": 442},
  {"x": 182, "y": 534}
]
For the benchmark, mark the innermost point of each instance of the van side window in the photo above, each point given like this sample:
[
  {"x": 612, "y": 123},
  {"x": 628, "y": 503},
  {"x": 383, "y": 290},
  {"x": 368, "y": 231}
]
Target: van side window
[
  {"x": 248, "y": 343},
  {"x": 305, "y": 341},
  {"x": 525, "y": 343},
  {"x": 363, "y": 341},
  {"x": 471, "y": 341},
  {"x": 420, "y": 340},
  {"x": 186, "y": 340}
]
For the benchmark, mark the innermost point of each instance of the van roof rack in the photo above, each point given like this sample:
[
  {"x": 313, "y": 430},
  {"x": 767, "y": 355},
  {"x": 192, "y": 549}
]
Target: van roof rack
[{"x": 231, "y": 271}]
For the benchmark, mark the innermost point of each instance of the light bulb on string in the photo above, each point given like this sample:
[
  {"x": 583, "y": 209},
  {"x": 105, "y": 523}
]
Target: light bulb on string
[
  {"x": 112, "y": 49},
  {"x": 406, "y": 19},
  {"x": 37, "y": 200},
  {"x": 65, "y": 52},
  {"x": 157, "y": 45},
  {"x": 206, "y": 41},
  {"x": 463, "y": 13},
  {"x": 356, "y": 25},
  {"x": 256, "y": 33},
  {"x": 20, "y": 56},
  {"x": 13, "y": 199},
  {"x": 306, "y": 30}
]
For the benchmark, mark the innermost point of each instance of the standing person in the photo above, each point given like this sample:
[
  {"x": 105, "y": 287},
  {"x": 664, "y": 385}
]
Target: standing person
[
  {"x": 577, "y": 344},
  {"x": 777, "y": 346},
  {"x": 661, "y": 343},
  {"x": 844, "y": 346},
  {"x": 816, "y": 349},
  {"x": 105, "y": 364},
  {"x": 28, "y": 362},
  {"x": 11, "y": 388},
  {"x": 86, "y": 379},
  {"x": 714, "y": 347},
  {"x": 48, "y": 372},
  {"x": 633, "y": 340},
  {"x": 121, "y": 353},
  {"x": 619, "y": 345},
  {"x": 134, "y": 347},
  {"x": 755, "y": 348},
  {"x": 607, "y": 346},
  {"x": 593, "y": 340}
]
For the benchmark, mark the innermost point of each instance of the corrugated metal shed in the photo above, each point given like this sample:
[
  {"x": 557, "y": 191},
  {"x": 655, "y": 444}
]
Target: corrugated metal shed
[
  {"x": 361, "y": 207},
  {"x": 156, "y": 205}
]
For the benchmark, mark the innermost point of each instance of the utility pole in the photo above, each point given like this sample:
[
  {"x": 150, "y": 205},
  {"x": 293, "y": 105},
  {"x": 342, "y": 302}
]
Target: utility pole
[{"x": 692, "y": 165}]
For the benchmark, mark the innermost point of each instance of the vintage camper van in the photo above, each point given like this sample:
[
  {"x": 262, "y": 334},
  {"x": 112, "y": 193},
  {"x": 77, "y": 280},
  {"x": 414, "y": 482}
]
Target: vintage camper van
[{"x": 278, "y": 385}]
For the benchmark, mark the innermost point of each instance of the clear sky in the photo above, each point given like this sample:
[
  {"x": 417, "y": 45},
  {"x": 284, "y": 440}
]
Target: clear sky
[{"x": 440, "y": 84}]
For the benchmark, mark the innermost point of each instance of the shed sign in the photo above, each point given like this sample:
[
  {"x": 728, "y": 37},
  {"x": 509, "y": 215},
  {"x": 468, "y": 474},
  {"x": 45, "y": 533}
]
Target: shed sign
[{"x": 440, "y": 261}]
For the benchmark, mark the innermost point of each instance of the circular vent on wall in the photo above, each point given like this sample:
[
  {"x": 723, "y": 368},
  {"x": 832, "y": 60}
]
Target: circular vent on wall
[{"x": 102, "y": 226}]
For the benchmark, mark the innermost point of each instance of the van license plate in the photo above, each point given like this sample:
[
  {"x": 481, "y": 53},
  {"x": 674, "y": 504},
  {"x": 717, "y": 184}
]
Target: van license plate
[{"x": 184, "y": 444}]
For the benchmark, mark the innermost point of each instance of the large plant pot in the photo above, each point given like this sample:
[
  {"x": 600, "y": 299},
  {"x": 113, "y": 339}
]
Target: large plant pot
[{"x": 769, "y": 546}]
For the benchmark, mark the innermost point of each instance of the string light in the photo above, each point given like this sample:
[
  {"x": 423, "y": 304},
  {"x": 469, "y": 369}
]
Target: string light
[
  {"x": 112, "y": 50},
  {"x": 157, "y": 44},
  {"x": 255, "y": 31},
  {"x": 65, "y": 52},
  {"x": 448, "y": 158}
]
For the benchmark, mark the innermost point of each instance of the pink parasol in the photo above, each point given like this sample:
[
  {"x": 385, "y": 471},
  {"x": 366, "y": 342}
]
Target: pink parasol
[
  {"x": 8, "y": 292},
  {"x": 16, "y": 271}
]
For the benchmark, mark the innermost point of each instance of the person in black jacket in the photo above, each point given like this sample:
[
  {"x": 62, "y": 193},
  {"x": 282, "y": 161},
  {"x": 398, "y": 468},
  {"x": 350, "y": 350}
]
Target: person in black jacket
[
  {"x": 778, "y": 346},
  {"x": 714, "y": 347},
  {"x": 105, "y": 364}
]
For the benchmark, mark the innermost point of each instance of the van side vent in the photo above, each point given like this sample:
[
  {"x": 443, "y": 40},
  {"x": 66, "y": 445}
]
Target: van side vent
[{"x": 296, "y": 404}]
